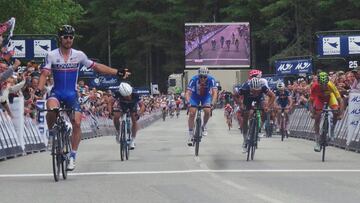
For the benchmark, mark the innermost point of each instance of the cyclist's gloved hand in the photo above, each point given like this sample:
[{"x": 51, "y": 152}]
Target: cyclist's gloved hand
[
  {"x": 38, "y": 93},
  {"x": 123, "y": 74}
]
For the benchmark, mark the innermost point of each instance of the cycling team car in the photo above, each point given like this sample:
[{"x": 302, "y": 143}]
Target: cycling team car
[
  {"x": 202, "y": 91},
  {"x": 323, "y": 91}
]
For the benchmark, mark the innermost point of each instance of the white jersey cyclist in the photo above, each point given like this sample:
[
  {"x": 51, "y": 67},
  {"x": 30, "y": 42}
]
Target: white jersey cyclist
[{"x": 65, "y": 75}]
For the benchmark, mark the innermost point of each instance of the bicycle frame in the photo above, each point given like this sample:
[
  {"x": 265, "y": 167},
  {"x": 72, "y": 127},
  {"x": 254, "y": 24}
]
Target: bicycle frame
[
  {"x": 125, "y": 135},
  {"x": 282, "y": 124},
  {"x": 60, "y": 144},
  {"x": 252, "y": 138},
  {"x": 327, "y": 125}
]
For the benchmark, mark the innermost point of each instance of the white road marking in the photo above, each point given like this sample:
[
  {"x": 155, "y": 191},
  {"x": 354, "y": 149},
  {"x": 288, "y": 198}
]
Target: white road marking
[
  {"x": 267, "y": 198},
  {"x": 190, "y": 171},
  {"x": 218, "y": 59}
]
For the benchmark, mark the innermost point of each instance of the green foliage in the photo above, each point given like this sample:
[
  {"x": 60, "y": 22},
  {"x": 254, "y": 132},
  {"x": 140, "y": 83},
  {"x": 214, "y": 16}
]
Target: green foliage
[
  {"x": 40, "y": 16},
  {"x": 148, "y": 35}
]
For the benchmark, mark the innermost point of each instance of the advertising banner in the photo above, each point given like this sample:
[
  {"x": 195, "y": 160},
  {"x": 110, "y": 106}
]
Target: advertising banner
[
  {"x": 273, "y": 80},
  {"x": 29, "y": 47},
  {"x": 104, "y": 82},
  {"x": 293, "y": 67},
  {"x": 41, "y": 120},
  {"x": 41, "y": 48},
  {"x": 86, "y": 72},
  {"x": 344, "y": 45},
  {"x": 19, "y": 48},
  {"x": 354, "y": 116},
  {"x": 17, "y": 109}
]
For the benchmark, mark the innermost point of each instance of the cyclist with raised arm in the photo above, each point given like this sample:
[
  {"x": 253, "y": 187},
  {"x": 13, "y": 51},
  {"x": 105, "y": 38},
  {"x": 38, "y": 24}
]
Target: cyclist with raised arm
[
  {"x": 201, "y": 90},
  {"x": 64, "y": 63},
  {"x": 324, "y": 91},
  {"x": 253, "y": 91},
  {"x": 126, "y": 99},
  {"x": 283, "y": 101}
]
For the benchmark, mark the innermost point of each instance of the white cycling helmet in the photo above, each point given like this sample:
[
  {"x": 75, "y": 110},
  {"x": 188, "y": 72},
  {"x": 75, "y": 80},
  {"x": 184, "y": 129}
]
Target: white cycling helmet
[
  {"x": 203, "y": 71},
  {"x": 280, "y": 85},
  {"x": 255, "y": 83},
  {"x": 125, "y": 89}
]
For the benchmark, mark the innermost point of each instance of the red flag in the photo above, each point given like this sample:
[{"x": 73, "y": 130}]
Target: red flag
[{"x": 4, "y": 27}]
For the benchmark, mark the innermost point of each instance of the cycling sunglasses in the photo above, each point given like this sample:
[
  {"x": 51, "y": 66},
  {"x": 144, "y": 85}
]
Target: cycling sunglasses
[
  {"x": 67, "y": 37},
  {"x": 203, "y": 76}
]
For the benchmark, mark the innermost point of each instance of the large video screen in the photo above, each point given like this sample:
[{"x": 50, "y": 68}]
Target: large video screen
[{"x": 217, "y": 45}]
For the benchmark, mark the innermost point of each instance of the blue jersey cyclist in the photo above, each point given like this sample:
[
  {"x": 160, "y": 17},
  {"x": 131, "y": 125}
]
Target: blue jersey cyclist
[
  {"x": 64, "y": 63},
  {"x": 253, "y": 91},
  {"x": 283, "y": 101},
  {"x": 201, "y": 90}
]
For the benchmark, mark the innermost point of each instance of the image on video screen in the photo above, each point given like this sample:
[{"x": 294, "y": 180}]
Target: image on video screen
[{"x": 217, "y": 45}]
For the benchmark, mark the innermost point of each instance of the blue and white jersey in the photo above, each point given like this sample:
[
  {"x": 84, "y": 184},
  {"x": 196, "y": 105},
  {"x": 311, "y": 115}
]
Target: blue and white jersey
[
  {"x": 66, "y": 73},
  {"x": 199, "y": 90},
  {"x": 245, "y": 91}
]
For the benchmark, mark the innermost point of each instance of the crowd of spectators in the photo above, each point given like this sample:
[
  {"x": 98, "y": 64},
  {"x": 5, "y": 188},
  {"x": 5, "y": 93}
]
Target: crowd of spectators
[
  {"x": 299, "y": 88},
  {"x": 24, "y": 81},
  {"x": 345, "y": 82}
]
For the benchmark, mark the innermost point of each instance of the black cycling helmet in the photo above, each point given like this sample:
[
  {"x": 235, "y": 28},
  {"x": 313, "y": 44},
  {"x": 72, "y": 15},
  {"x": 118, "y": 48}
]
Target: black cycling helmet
[{"x": 66, "y": 30}]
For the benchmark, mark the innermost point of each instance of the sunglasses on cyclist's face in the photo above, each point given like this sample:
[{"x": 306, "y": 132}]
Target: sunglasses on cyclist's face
[
  {"x": 67, "y": 37},
  {"x": 203, "y": 76}
]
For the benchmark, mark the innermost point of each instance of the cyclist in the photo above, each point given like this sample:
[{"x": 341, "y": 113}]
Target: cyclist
[
  {"x": 171, "y": 107},
  {"x": 222, "y": 40},
  {"x": 126, "y": 99},
  {"x": 283, "y": 100},
  {"x": 324, "y": 91},
  {"x": 253, "y": 90},
  {"x": 201, "y": 89},
  {"x": 178, "y": 103},
  {"x": 228, "y": 42},
  {"x": 258, "y": 73},
  {"x": 64, "y": 63},
  {"x": 237, "y": 101},
  {"x": 228, "y": 112}
]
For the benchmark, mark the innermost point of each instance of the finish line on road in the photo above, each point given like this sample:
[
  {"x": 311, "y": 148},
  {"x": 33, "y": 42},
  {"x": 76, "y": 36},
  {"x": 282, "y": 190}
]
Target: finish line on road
[{"x": 188, "y": 171}]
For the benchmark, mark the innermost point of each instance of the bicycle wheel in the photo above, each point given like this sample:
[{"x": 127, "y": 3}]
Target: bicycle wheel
[
  {"x": 251, "y": 137},
  {"x": 323, "y": 141},
  {"x": 122, "y": 141},
  {"x": 64, "y": 152},
  {"x": 56, "y": 155},
  {"x": 255, "y": 140},
  {"x": 197, "y": 136},
  {"x": 127, "y": 148}
]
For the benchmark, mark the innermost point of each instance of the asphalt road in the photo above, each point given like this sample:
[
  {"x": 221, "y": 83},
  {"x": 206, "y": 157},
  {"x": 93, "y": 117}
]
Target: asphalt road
[
  {"x": 163, "y": 169},
  {"x": 221, "y": 55}
]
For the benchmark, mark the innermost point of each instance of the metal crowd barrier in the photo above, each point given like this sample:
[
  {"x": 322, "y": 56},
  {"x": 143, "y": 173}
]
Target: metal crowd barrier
[
  {"x": 30, "y": 140},
  {"x": 302, "y": 126},
  {"x": 9, "y": 141},
  {"x": 106, "y": 125}
]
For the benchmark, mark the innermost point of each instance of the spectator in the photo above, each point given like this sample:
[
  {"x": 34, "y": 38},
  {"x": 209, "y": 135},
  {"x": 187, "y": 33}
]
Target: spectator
[
  {"x": 355, "y": 86},
  {"x": 9, "y": 87}
]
